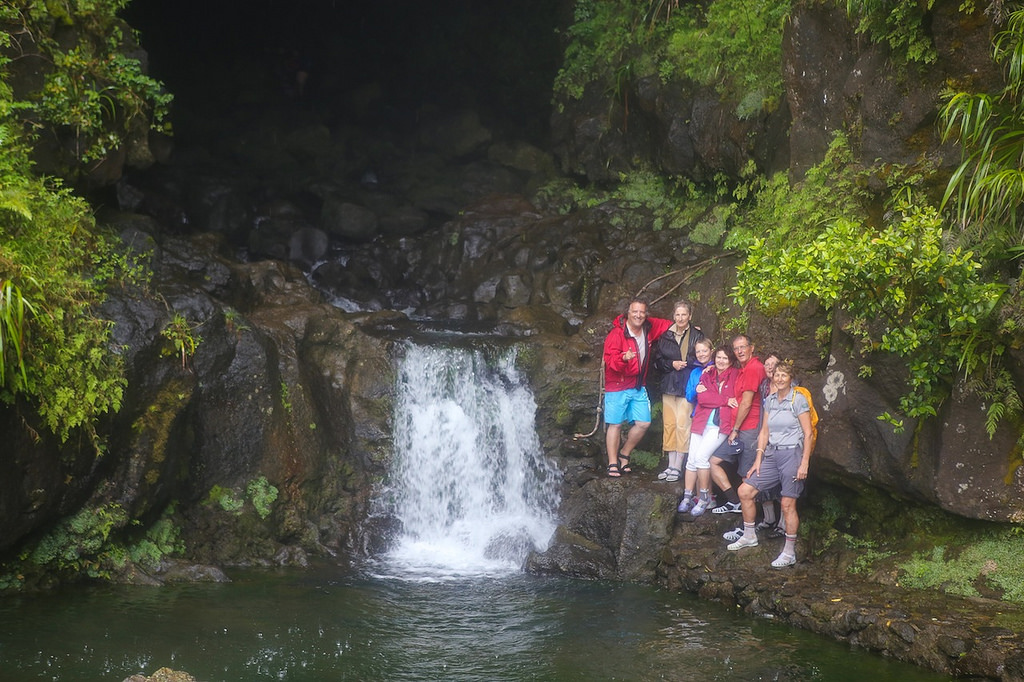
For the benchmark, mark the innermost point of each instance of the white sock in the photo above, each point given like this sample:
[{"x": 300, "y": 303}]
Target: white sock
[
  {"x": 790, "y": 547},
  {"x": 769, "y": 511}
]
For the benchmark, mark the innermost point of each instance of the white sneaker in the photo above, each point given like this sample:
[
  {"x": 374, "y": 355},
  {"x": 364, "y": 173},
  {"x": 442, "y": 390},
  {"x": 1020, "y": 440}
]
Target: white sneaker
[
  {"x": 784, "y": 560},
  {"x": 742, "y": 542}
]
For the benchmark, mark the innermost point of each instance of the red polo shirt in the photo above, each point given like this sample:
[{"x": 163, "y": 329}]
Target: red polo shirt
[{"x": 750, "y": 380}]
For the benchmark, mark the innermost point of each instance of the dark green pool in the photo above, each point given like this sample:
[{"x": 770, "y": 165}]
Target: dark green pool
[{"x": 327, "y": 625}]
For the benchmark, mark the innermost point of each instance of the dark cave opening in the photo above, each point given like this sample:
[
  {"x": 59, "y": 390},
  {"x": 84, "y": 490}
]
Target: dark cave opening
[{"x": 354, "y": 63}]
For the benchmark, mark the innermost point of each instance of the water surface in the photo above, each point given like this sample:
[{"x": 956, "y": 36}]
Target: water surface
[{"x": 325, "y": 625}]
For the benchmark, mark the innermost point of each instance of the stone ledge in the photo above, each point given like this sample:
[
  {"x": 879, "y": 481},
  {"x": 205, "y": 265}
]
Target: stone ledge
[{"x": 974, "y": 638}]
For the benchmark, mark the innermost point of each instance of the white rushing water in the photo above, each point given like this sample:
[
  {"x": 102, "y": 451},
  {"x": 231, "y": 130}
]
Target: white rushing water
[{"x": 469, "y": 484}]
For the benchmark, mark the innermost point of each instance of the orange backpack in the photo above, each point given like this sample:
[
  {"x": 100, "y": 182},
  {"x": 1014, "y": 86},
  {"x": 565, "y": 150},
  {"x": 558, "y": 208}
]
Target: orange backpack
[{"x": 814, "y": 413}]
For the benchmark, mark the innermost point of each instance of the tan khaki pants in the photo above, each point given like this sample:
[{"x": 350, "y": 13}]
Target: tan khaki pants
[{"x": 676, "y": 411}]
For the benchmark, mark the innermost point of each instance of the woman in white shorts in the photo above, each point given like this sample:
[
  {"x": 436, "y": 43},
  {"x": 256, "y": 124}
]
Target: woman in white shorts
[{"x": 712, "y": 421}]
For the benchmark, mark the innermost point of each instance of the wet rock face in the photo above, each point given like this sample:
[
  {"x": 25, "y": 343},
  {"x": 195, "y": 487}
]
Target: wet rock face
[
  {"x": 436, "y": 221},
  {"x": 40, "y": 479},
  {"x": 610, "y": 531},
  {"x": 283, "y": 392},
  {"x": 835, "y": 81},
  {"x": 287, "y": 387},
  {"x": 685, "y": 130}
]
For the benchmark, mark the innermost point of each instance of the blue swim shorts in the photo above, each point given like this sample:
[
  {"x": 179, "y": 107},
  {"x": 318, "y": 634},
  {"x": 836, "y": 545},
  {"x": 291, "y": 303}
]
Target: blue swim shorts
[{"x": 630, "y": 405}]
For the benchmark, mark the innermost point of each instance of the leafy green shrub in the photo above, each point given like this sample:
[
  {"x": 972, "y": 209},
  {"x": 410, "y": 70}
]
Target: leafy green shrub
[
  {"x": 183, "y": 338},
  {"x": 735, "y": 46},
  {"x": 225, "y": 498},
  {"x": 162, "y": 539},
  {"x": 601, "y": 34},
  {"x": 996, "y": 561},
  {"x": 55, "y": 263},
  {"x": 262, "y": 495},
  {"x": 94, "y": 93},
  {"x": 782, "y": 214},
  {"x": 901, "y": 288},
  {"x": 898, "y": 23},
  {"x": 259, "y": 492},
  {"x": 902, "y": 291},
  {"x": 88, "y": 543},
  {"x": 732, "y": 45},
  {"x": 75, "y": 544}
]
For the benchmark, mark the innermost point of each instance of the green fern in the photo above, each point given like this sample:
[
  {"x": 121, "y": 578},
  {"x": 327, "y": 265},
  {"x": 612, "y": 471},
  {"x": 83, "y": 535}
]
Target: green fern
[
  {"x": 16, "y": 200},
  {"x": 13, "y": 308},
  {"x": 988, "y": 186}
]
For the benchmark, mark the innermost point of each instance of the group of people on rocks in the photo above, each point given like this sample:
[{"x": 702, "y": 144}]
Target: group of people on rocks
[{"x": 723, "y": 409}]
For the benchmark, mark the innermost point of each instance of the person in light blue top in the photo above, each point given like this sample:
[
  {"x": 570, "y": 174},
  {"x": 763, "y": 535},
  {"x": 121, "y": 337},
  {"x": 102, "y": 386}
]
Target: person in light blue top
[
  {"x": 703, "y": 354},
  {"x": 783, "y": 455}
]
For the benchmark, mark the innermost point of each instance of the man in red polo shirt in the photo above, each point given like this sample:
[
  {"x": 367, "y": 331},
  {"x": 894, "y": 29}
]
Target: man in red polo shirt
[{"x": 739, "y": 448}]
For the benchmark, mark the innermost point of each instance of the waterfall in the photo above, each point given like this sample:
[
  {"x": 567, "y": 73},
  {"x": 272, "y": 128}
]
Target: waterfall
[{"x": 468, "y": 483}]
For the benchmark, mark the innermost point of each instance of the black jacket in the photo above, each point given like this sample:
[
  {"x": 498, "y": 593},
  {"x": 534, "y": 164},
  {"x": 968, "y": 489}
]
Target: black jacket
[{"x": 666, "y": 351}]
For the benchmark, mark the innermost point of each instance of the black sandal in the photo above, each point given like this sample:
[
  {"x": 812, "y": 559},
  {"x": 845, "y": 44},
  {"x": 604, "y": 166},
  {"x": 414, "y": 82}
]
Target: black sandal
[
  {"x": 624, "y": 464},
  {"x": 613, "y": 471}
]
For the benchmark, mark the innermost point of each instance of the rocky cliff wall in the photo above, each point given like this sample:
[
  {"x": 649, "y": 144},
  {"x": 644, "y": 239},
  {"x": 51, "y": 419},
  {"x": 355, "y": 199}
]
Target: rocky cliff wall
[{"x": 254, "y": 235}]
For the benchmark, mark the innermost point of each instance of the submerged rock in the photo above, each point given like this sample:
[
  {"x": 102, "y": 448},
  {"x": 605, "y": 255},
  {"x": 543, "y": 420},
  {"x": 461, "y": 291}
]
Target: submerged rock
[{"x": 162, "y": 675}]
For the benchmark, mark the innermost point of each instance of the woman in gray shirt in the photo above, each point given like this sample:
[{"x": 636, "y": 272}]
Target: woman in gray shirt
[{"x": 783, "y": 453}]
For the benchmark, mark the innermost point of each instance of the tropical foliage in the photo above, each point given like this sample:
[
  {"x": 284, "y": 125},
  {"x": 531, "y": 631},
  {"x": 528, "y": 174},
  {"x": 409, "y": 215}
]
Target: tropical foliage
[
  {"x": 735, "y": 46},
  {"x": 899, "y": 23},
  {"x": 897, "y": 287},
  {"x": 54, "y": 267},
  {"x": 55, "y": 264},
  {"x": 887, "y": 263},
  {"x": 95, "y": 93},
  {"x": 732, "y": 45},
  {"x": 988, "y": 187},
  {"x": 87, "y": 543}
]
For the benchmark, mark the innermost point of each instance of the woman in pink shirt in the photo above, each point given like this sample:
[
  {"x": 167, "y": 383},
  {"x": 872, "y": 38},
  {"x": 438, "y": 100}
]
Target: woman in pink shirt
[{"x": 712, "y": 421}]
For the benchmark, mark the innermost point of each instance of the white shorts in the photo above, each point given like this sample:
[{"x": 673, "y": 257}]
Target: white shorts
[{"x": 702, "y": 445}]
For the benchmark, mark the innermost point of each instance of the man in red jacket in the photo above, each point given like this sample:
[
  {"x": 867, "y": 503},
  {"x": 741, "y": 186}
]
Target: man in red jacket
[{"x": 627, "y": 355}]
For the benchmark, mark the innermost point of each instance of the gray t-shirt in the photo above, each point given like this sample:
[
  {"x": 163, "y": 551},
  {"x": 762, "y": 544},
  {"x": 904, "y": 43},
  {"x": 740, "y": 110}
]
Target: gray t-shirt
[{"x": 783, "y": 418}]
